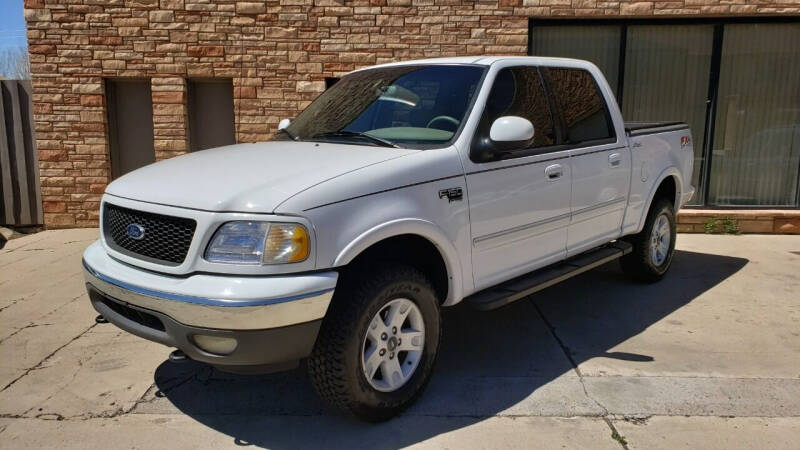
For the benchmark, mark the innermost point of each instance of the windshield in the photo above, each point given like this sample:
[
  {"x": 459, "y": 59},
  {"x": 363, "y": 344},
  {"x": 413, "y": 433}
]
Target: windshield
[{"x": 402, "y": 106}]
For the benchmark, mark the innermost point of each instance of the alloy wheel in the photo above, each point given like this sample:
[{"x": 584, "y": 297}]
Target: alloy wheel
[
  {"x": 393, "y": 345},
  {"x": 660, "y": 239}
]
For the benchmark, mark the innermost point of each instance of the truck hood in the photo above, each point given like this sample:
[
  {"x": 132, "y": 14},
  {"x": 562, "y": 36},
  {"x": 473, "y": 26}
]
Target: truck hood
[{"x": 246, "y": 177}]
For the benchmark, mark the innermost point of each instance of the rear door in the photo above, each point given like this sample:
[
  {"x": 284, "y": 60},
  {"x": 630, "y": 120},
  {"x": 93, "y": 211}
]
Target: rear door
[
  {"x": 518, "y": 197},
  {"x": 601, "y": 163}
]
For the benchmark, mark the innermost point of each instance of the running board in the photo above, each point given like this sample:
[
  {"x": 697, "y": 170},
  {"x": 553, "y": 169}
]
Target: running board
[{"x": 525, "y": 285}]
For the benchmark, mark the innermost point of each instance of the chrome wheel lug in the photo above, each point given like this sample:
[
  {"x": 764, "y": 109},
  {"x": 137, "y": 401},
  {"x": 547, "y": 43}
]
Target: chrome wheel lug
[
  {"x": 394, "y": 330},
  {"x": 382, "y": 352},
  {"x": 384, "y": 336},
  {"x": 391, "y": 355}
]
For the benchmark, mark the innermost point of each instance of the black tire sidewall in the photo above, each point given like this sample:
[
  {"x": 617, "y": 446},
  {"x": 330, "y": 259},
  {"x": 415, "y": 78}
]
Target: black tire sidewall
[
  {"x": 369, "y": 401},
  {"x": 638, "y": 264},
  {"x": 662, "y": 208}
]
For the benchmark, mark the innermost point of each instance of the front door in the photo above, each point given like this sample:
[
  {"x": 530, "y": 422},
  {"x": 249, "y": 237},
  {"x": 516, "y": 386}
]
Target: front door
[
  {"x": 601, "y": 167},
  {"x": 518, "y": 199}
]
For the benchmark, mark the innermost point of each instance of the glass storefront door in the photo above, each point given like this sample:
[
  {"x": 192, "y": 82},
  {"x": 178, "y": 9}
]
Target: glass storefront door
[
  {"x": 666, "y": 79},
  {"x": 600, "y": 45},
  {"x": 756, "y": 151},
  {"x": 735, "y": 80}
]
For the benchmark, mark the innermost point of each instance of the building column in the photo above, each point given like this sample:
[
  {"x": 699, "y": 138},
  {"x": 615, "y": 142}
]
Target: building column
[
  {"x": 170, "y": 129},
  {"x": 250, "y": 118},
  {"x": 72, "y": 149}
]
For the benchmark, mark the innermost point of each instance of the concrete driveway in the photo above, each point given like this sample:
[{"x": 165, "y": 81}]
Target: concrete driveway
[{"x": 709, "y": 357}]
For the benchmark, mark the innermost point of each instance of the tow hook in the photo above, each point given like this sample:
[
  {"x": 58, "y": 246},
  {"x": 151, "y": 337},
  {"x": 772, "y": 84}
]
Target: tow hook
[
  {"x": 100, "y": 319},
  {"x": 177, "y": 356}
]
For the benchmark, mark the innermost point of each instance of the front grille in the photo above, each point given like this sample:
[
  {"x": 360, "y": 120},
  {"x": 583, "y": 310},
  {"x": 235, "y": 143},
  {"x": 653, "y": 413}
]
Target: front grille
[
  {"x": 166, "y": 239},
  {"x": 140, "y": 317}
]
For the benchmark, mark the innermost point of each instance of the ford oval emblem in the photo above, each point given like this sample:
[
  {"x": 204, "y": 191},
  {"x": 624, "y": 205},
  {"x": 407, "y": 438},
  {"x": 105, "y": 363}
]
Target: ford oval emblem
[{"x": 135, "y": 231}]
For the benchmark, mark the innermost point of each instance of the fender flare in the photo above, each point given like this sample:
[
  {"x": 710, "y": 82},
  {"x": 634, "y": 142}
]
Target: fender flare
[
  {"x": 421, "y": 228},
  {"x": 671, "y": 171}
]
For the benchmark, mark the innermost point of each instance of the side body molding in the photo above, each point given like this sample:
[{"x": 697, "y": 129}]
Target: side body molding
[{"x": 419, "y": 227}]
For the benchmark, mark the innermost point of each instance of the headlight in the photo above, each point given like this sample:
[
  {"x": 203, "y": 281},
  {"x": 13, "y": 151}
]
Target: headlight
[
  {"x": 245, "y": 242},
  {"x": 238, "y": 242}
]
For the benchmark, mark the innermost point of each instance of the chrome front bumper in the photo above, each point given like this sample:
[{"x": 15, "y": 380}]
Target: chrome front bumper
[{"x": 213, "y": 301}]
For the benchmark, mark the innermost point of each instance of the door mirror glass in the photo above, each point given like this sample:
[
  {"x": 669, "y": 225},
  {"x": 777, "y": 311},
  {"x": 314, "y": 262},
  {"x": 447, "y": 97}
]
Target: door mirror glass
[
  {"x": 511, "y": 129},
  {"x": 284, "y": 123}
]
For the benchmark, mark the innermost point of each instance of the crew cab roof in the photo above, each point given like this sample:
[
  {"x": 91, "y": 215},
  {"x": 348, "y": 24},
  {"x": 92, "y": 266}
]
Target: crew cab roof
[{"x": 482, "y": 61}]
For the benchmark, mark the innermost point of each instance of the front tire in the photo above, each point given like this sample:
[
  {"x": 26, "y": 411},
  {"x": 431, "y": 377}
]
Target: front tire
[
  {"x": 378, "y": 343},
  {"x": 654, "y": 246}
]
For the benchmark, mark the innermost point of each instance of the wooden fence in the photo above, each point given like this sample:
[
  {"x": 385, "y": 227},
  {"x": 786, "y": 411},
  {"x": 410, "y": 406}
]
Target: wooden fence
[{"x": 20, "y": 196}]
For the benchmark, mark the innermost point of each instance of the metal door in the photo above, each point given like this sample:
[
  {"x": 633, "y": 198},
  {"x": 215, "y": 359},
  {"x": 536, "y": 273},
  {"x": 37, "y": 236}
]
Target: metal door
[
  {"x": 130, "y": 124},
  {"x": 600, "y": 162},
  {"x": 210, "y": 114},
  {"x": 519, "y": 205}
]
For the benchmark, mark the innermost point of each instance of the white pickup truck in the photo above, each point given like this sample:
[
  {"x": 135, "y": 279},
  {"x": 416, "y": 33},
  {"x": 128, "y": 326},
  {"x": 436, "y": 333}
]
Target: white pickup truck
[{"x": 402, "y": 189}]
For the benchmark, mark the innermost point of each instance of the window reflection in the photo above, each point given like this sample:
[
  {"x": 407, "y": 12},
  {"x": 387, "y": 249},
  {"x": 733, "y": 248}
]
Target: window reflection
[
  {"x": 405, "y": 105},
  {"x": 756, "y": 151},
  {"x": 518, "y": 91},
  {"x": 582, "y": 106}
]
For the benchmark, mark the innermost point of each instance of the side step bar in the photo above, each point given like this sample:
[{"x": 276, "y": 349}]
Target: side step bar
[{"x": 525, "y": 285}]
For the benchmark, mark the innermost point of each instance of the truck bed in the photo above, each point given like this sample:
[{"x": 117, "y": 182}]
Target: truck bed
[{"x": 641, "y": 128}]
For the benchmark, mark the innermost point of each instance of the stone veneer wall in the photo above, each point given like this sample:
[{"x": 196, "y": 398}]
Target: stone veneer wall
[
  {"x": 765, "y": 221},
  {"x": 278, "y": 53}
]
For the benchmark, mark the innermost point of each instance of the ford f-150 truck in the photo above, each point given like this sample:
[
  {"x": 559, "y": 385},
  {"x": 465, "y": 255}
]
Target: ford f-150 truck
[{"x": 402, "y": 189}]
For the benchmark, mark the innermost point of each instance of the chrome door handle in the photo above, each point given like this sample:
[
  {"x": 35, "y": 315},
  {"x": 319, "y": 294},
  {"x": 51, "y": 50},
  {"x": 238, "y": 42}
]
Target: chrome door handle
[
  {"x": 554, "y": 172},
  {"x": 615, "y": 159}
]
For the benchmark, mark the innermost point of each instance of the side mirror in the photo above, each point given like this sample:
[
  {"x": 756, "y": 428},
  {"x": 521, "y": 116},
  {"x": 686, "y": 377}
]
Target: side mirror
[
  {"x": 284, "y": 123},
  {"x": 511, "y": 129}
]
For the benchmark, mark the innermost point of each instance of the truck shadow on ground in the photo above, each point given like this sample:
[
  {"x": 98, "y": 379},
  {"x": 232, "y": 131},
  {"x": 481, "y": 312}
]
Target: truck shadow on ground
[{"x": 516, "y": 360}]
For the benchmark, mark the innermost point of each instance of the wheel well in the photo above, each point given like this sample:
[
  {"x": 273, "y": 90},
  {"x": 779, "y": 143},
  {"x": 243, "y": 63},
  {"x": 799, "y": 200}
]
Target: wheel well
[
  {"x": 666, "y": 190},
  {"x": 411, "y": 249}
]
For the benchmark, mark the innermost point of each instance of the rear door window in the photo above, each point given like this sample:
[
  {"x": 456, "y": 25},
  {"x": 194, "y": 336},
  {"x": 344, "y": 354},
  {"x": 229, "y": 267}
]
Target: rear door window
[{"x": 583, "y": 114}]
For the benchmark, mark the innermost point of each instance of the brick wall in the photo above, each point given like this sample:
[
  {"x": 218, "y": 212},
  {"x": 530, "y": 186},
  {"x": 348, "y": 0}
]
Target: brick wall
[{"x": 277, "y": 52}]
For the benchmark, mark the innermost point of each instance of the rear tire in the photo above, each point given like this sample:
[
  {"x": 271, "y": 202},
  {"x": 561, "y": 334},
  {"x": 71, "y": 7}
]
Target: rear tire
[
  {"x": 352, "y": 336},
  {"x": 654, "y": 246}
]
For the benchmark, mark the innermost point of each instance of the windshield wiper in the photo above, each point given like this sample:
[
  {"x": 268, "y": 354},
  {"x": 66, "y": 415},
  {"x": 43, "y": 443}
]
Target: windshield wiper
[
  {"x": 346, "y": 133},
  {"x": 288, "y": 133}
]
